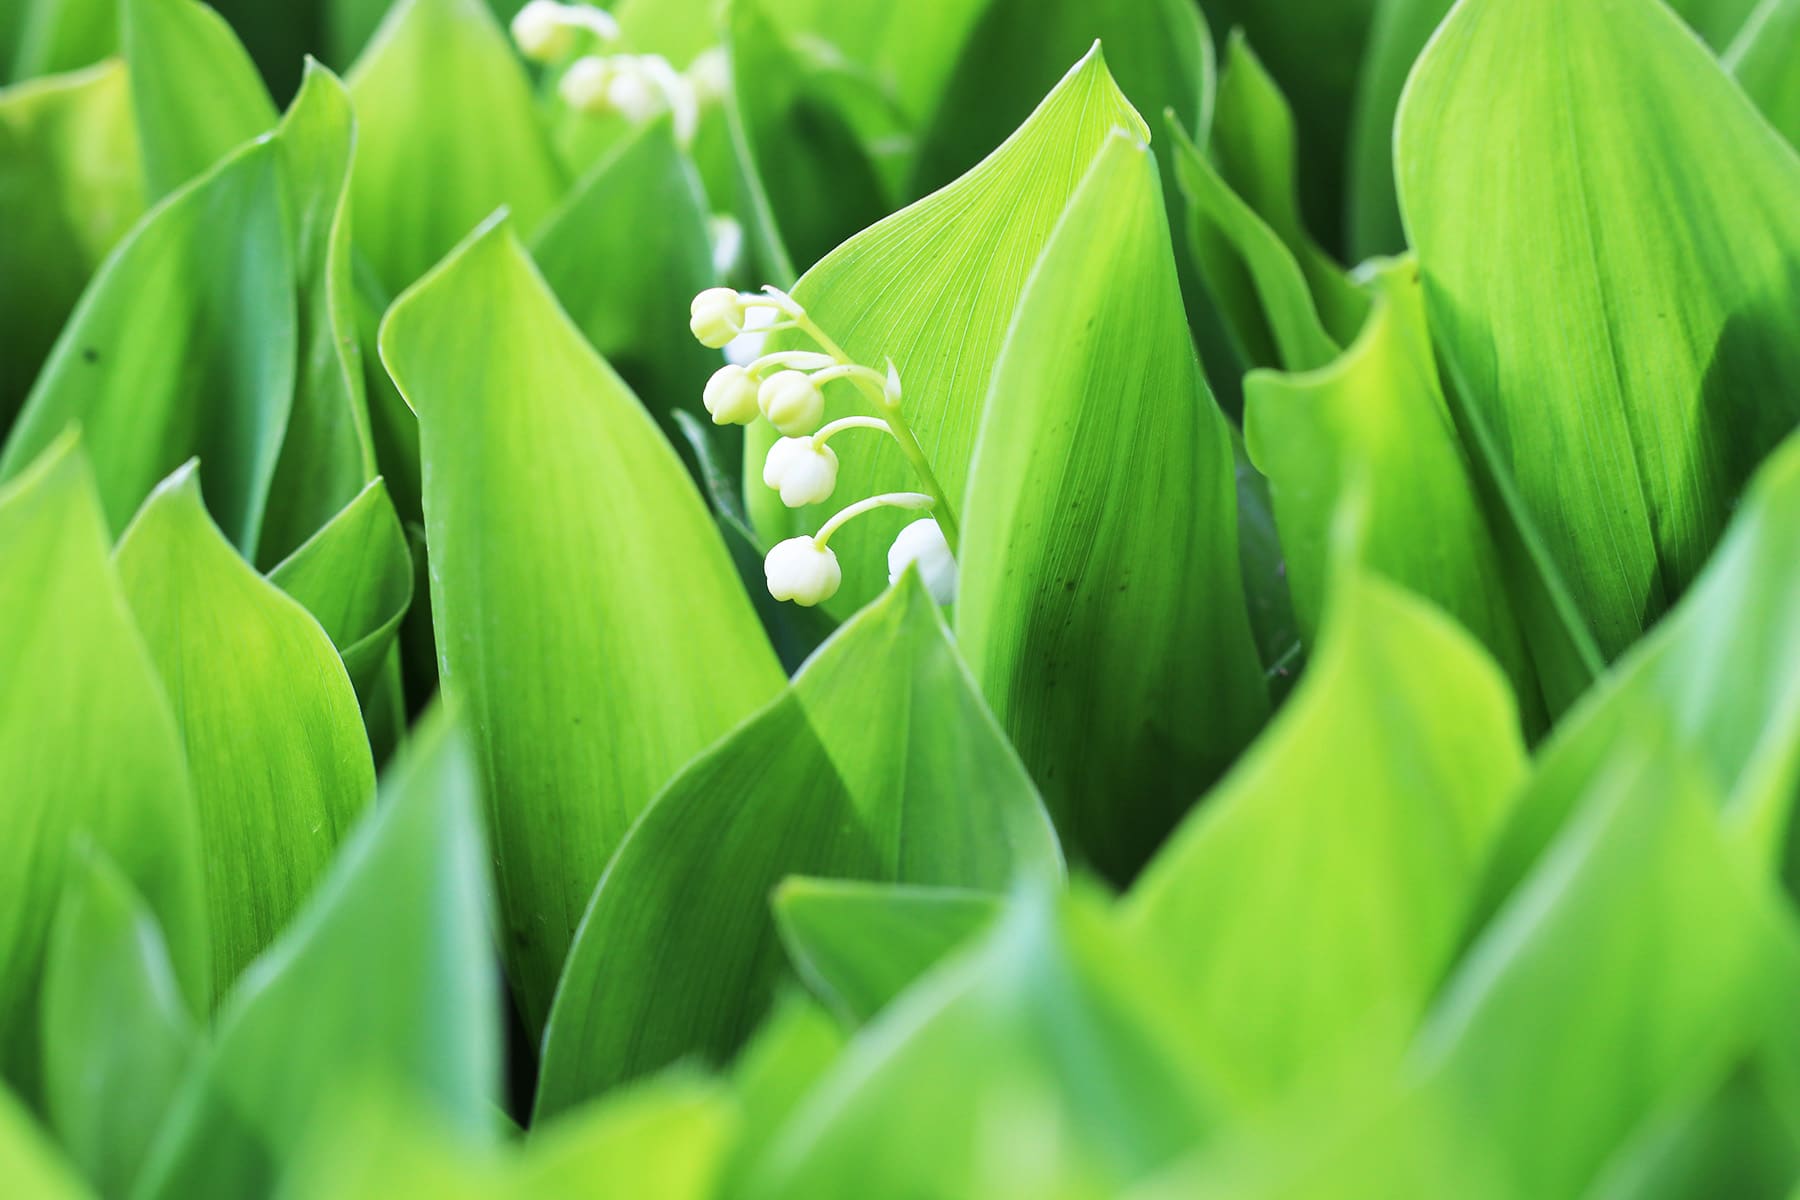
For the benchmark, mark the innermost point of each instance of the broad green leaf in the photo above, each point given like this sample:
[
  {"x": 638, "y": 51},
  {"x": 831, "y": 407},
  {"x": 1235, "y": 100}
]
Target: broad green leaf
[
  {"x": 280, "y": 762},
  {"x": 777, "y": 1068},
  {"x": 1082, "y": 1073},
  {"x": 384, "y": 978},
  {"x": 1629, "y": 364},
  {"x": 117, "y": 1032},
  {"x": 878, "y": 764},
  {"x": 195, "y": 93},
  {"x": 1734, "y": 1142},
  {"x": 859, "y": 945},
  {"x": 1309, "y": 907},
  {"x": 587, "y": 615},
  {"x": 955, "y": 261},
  {"x": 1253, "y": 145},
  {"x": 1762, "y": 61},
  {"x": 47, "y": 37},
  {"x": 328, "y": 452},
  {"x": 35, "y": 1170},
  {"x": 87, "y": 745},
  {"x": 1374, "y": 424},
  {"x": 447, "y": 131},
  {"x": 355, "y": 576},
  {"x": 667, "y": 1139},
  {"x": 1099, "y": 537},
  {"x": 1722, "y": 670},
  {"x": 175, "y": 350},
  {"x": 69, "y": 189},
  {"x": 625, "y": 254}
]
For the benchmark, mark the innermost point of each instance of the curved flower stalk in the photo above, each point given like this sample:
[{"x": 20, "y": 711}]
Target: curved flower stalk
[{"x": 786, "y": 388}]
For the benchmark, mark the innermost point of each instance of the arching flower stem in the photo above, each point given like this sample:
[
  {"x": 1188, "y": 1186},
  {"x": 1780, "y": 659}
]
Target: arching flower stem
[{"x": 909, "y": 500}]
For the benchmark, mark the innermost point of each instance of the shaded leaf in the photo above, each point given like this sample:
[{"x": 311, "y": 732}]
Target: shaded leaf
[
  {"x": 87, "y": 745},
  {"x": 1112, "y": 526},
  {"x": 280, "y": 762},
  {"x": 1762, "y": 60},
  {"x": 587, "y": 615},
  {"x": 48, "y": 37}
]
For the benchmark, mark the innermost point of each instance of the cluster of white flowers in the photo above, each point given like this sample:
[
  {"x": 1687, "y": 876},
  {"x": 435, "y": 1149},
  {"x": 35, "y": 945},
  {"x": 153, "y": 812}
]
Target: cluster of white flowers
[
  {"x": 637, "y": 87},
  {"x": 786, "y": 389}
]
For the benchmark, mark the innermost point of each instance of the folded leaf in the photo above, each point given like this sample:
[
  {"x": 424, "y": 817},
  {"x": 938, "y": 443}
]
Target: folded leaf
[
  {"x": 859, "y": 945},
  {"x": 587, "y": 615},
  {"x": 280, "y": 762},
  {"x": 87, "y": 745},
  {"x": 1308, "y": 909},
  {"x": 1629, "y": 363},
  {"x": 1374, "y": 425},
  {"x": 117, "y": 1031},
  {"x": 384, "y": 979},
  {"x": 69, "y": 189},
  {"x": 878, "y": 764},
  {"x": 1082, "y": 1077},
  {"x": 1101, "y": 604},
  {"x": 956, "y": 260},
  {"x": 447, "y": 131},
  {"x": 194, "y": 91}
]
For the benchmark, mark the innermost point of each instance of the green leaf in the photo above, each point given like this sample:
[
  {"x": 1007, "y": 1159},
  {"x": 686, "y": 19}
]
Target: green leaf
[
  {"x": 1309, "y": 907},
  {"x": 1374, "y": 425},
  {"x": 667, "y": 1139},
  {"x": 328, "y": 452},
  {"x": 878, "y": 764},
  {"x": 1722, "y": 671},
  {"x": 1629, "y": 364},
  {"x": 1762, "y": 59},
  {"x": 780, "y": 1064},
  {"x": 587, "y": 615},
  {"x": 1734, "y": 1142},
  {"x": 957, "y": 260},
  {"x": 194, "y": 90},
  {"x": 69, "y": 189},
  {"x": 1718, "y": 21},
  {"x": 1399, "y": 32},
  {"x": 384, "y": 979},
  {"x": 87, "y": 744},
  {"x": 280, "y": 762},
  {"x": 54, "y": 36},
  {"x": 859, "y": 945},
  {"x": 447, "y": 132},
  {"x": 1083, "y": 1074},
  {"x": 355, "y": 576},
  {"x": 1111, "y": 526},
  {"x": 175, "y": 350},
  {"x": 117, "y": 1032},
  {"x": 35, "y": 1170},
  {"x": 626, "y": 253}
]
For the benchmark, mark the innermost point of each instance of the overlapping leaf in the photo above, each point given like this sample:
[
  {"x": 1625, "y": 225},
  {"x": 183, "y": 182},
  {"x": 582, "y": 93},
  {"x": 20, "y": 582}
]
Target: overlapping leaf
[
  {"x": 1108, "y": 524},
  {"x": 1762, "y": 61},
  {"x": 587, "y": 615}
]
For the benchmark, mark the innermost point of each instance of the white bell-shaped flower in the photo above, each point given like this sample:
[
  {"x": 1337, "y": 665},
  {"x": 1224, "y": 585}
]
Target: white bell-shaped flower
[
  {"x": 585, "y": 84},
  {"x": 803, "y": 471},
  {"x": 747, "y": 347},
  {"x": 792, "y": 402},
  {"x": 543, "y": 32},
  {"x": 803, "y": 571},
  {"x": 716, "y": 315},
  {"x": 633, "y": 93},
  {"x": 730, "y": 396},
  {"x": 922, "y": 543}
]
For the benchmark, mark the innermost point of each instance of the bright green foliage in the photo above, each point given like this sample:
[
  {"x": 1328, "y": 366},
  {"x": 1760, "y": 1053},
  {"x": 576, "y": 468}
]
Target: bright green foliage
[
  {"x": 117, "y": 1031},
  {"x": 45, "y": 37},
  {"x": 274, "y": 739},
  {"x": 34, "y": 1168},
  {"x": 859, "y": 945},
  {"x": 194, "y": 91},
  {"x": 957, "y": 259},
  {"x": 407, "y": 899},
  {"x": 677, "y": 953},
  {"x": 563, "y": 533},
  {"x": 1762, "y": 60},
  {"x": 69, "y": 188},
  {"x": 1350, "y": 838},
  {"x": 447, "y": 133},
  {"x": 1093, "y": 525},
  {"x": 88, "y": 747},
  {"x": 1630, "y": 362}
]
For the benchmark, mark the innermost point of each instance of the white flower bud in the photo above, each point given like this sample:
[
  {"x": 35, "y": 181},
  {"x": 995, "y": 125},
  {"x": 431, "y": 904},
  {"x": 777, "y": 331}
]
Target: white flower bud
[
  {"x": 747, "y": 347},
  {"x": 923, "y": 543},
  {"x": 792, "y": 402},
  {"x": 633, "y": 94},
  {"x": 730, "y": 396},
  {"x": 584, "y": 85},
  {"x": 801, "y": 470},
  {"x": 543, "y": 32},
  {"x": 716, "y": 316},
  {"x": 710, "y": 75},
  {"x": 892, "y": 388},
  {"x": 803, "y": 571}
]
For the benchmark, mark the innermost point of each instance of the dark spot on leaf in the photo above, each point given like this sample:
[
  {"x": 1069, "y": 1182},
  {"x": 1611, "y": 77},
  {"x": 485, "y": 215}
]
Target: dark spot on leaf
[{"x": 89, "y": 354}]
